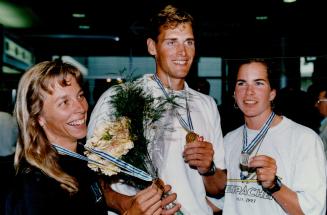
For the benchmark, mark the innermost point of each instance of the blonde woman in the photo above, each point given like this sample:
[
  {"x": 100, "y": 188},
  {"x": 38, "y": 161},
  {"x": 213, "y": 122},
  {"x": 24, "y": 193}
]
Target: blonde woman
[
  {"x": 51, "y": 109},
  {"x": 52, "y": 172}
]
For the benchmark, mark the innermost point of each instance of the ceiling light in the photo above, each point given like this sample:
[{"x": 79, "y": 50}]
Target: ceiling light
[
  {"x": 78, "y": 15},
  {"x": 15, "y": 16},
  {"x": 289, "y": 1},
  {"x": 84, "y": 27},
  {"x": 261, "y": 17}
]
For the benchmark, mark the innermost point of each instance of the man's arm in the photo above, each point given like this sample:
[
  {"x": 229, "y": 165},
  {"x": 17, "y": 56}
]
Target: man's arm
[{"x": 216, "y": 183}]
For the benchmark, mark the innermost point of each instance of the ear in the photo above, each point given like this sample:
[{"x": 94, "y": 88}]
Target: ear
[
  {"x": 41, "y": 121},
  {"x": 151, "y": 46},
  {"x": 272, "y": 95}
]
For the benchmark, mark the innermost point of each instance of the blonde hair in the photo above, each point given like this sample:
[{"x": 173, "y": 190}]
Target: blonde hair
[{"x": 33, "y": 145}]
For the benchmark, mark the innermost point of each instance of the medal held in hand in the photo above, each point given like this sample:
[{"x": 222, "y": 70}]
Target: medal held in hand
[
  {"x": 244, "y": 159},
  {"x": 248, "y": 148},
  {"x": 159, "y": 183},
  {"x": 191, "y": 136}
]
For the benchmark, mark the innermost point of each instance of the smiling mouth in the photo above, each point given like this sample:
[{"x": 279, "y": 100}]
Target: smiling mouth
[
  {"x": 77, "y": 122},
  {"x": 180, "y": 62},
  {"x": 249, "y": 102}
]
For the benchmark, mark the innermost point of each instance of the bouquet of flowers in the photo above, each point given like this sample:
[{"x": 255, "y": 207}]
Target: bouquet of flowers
[{"x": 124, "y": 138}]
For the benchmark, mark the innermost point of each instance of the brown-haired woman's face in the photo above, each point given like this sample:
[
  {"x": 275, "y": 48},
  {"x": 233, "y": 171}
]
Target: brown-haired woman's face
[
  {"x": 64, "y": 113},
  {"x": 253, "y": 93}
]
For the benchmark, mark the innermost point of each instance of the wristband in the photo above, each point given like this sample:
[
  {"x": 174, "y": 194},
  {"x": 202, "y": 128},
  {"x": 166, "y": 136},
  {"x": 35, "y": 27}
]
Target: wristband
[
  {"x": 211, "y": 171},
  {"x": 275, "y": 188}
]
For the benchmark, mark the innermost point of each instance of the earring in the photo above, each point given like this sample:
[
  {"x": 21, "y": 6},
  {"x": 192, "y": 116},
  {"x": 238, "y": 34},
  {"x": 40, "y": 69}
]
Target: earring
[
  {"x": 235, "y": 105},
  {"x": 272, "y": 104},
  {"x": 41, "y": 123}
]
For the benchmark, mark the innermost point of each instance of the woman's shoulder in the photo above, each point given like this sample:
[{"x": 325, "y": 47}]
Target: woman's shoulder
[
  {"x": 30, "y": 178},
  {"x": 33, "y": 191}
]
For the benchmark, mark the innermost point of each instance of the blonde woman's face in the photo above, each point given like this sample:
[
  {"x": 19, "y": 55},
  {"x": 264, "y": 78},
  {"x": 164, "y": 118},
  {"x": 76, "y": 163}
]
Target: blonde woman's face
[{"x": 64, "y": 113}]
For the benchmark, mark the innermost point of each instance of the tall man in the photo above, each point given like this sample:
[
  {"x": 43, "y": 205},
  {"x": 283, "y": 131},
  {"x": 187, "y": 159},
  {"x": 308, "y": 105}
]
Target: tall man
[{"x": 193, "y": 170}]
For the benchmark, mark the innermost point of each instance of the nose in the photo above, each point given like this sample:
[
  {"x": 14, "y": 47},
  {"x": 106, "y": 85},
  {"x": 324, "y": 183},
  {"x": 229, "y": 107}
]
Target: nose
[
  {"x": 81, "y": 106},
  {"x": 249, "y": 90},
  {"x": 181, "y": 50}
]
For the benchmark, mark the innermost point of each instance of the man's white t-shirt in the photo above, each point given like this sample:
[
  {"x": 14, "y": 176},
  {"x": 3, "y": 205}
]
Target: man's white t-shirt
[{"x": 168, "y": 140}]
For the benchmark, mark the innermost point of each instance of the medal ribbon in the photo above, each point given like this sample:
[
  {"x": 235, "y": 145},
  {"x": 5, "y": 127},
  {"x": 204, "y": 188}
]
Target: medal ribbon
[
  {"x": 126, "y": 167},
  {"x": 186, "y": 125},
  {"x": 248, "y": 148}
]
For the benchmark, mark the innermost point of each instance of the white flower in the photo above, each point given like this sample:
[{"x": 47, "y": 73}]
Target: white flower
[{"x": 112, "y": 138}]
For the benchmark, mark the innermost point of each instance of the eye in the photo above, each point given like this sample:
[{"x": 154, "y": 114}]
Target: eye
[
  {"x": 190, "y": 42},
  {"x": 259, "y": 83},
  {"x": 81, "y": 96},
  {"x": 240, "y": 83},
  {"x": 170, "y": 42},
  {"x": 63, "y": 103}
]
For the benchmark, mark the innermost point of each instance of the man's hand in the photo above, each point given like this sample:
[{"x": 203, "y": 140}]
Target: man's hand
[{"x": 199, "y": 154}]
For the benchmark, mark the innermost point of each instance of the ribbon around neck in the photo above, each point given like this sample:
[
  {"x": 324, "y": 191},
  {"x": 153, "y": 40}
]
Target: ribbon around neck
[
  {"x": 125, "y": 167},
  {"x": 188, "y": 126}
]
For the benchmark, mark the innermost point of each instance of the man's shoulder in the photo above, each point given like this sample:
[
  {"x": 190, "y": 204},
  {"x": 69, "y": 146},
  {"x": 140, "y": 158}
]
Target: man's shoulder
[{"x": 198, "y": 96}]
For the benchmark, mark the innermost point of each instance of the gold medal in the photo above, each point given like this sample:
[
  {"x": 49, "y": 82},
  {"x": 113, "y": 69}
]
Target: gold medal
[
  {"x": 191, "y": 136},
  {"x": 160, "y": 184}
]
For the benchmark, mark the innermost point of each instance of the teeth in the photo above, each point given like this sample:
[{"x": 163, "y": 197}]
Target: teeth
[
  {"x": 249, "y": 102},
  {"x": 77, "y": 122},
  {"x": 180, "y": 62}
]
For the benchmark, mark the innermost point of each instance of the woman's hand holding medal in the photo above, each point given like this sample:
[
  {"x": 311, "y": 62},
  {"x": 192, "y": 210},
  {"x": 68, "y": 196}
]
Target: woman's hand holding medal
[
  {"x": 266, "y": 169},
  {"x": 167, "y": 199}
]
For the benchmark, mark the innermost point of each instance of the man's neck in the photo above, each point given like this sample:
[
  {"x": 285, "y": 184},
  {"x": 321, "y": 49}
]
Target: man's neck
[{"x": 171, "y": 83}]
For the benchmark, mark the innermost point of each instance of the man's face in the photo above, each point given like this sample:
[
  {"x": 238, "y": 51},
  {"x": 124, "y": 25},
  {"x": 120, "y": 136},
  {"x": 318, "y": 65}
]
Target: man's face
[
  {"x": 321, "y": 104},
  {"x": 174, "y": 50}
]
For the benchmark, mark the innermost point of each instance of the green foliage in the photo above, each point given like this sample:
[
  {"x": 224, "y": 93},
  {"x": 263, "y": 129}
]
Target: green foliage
[{"x": 140, "y": 107}]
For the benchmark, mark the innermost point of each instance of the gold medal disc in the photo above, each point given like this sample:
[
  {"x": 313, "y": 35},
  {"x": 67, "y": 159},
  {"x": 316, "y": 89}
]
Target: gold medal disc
[{"x": 191, "y": 136}]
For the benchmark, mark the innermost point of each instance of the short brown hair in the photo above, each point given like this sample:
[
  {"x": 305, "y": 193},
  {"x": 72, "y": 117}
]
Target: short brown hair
[{"x": 169, "y": 17}]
